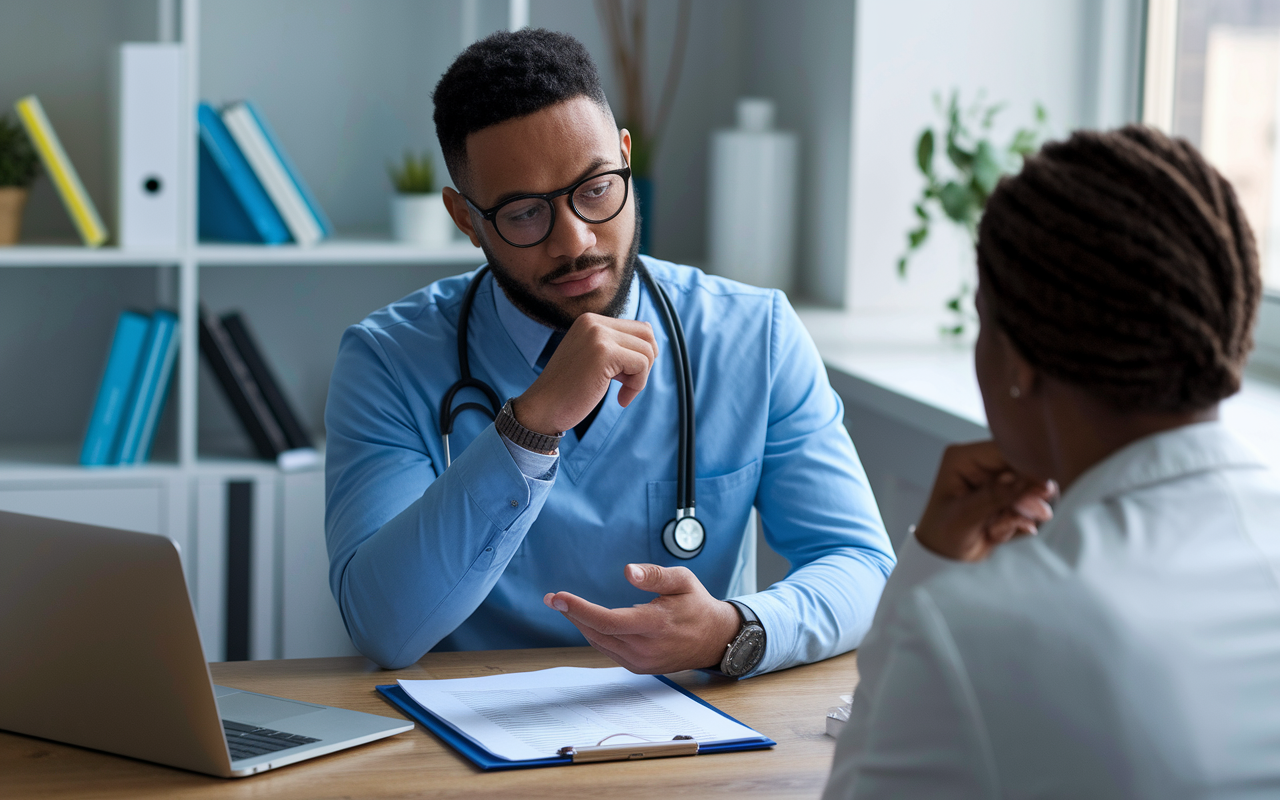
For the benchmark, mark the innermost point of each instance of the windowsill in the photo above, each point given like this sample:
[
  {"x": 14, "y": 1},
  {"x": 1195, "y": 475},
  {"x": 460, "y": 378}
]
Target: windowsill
[{"x": 924, "y": 381}]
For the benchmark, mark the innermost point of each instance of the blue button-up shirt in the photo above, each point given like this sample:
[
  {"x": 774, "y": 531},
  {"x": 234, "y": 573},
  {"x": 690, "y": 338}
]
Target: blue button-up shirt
[{"x": 425, "y": 557}]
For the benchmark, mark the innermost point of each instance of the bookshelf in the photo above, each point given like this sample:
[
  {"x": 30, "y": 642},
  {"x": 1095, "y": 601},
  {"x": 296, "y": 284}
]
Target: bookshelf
[{"x": 59, "y": 300}]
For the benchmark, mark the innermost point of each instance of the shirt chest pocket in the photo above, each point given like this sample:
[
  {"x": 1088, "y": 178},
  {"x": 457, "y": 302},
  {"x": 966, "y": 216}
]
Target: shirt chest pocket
[{"x": 722, "y": 505}]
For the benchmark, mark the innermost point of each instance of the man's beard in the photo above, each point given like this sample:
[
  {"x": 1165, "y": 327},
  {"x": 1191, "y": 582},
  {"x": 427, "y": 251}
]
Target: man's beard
[{"x": 549, "y": 313}]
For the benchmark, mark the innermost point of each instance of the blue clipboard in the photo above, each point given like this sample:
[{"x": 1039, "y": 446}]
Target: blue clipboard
[{"x": 485, "y": 760}]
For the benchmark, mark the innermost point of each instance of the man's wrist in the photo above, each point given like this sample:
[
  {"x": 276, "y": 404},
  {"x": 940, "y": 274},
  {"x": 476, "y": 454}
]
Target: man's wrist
[
  {"x": 728, "y": 622},
  {"x": 525, "y": 412},
  {"x": 510, "y": 426}
]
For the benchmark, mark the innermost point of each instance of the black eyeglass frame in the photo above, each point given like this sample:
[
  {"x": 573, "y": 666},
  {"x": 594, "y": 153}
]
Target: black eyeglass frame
[{"x": 490, "y": 214}]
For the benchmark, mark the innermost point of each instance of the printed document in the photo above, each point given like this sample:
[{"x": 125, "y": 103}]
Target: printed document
[{"x": 530, "y": 715}]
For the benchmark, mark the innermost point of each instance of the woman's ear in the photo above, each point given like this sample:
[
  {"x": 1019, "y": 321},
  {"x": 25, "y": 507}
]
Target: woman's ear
[{"x": 1023, "y": 379}]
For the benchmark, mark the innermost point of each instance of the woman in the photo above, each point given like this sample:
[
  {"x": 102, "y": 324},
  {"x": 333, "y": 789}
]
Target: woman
[{"x": 1132, "y": 647}]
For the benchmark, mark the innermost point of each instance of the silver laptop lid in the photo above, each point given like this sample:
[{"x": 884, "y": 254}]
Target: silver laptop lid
[{"x": 100, "y": 644}]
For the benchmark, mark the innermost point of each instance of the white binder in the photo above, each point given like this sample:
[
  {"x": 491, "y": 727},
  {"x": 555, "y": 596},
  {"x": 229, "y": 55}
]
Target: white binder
[{"x": 149, "y": 97}]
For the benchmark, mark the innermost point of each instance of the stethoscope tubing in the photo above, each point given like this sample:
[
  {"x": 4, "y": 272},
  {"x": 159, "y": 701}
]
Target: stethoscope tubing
[
  {"x": 447, "y": 413},
  {"x": 686, "y": 454},
  {"x": 685, "y": 488}
]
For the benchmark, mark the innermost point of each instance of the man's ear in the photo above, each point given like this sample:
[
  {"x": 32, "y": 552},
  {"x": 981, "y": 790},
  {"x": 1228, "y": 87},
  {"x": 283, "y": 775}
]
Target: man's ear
[
  {"x": 457, "y": 206},
  {"x": 626, "y": 145}
]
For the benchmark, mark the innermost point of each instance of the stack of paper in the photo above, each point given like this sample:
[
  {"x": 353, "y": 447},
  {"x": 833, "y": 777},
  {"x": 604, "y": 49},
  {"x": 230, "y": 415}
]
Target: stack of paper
[{"x": 529, "y": 716}]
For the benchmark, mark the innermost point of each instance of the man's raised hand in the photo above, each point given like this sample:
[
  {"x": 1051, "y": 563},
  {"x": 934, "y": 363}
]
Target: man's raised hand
[
  {"x": 684, "y": 627},
  {"x": 595, "y": 351}
]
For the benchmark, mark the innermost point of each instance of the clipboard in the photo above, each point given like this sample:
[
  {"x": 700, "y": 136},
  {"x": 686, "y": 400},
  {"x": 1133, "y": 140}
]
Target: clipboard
[{"x": 487, "y": 761}]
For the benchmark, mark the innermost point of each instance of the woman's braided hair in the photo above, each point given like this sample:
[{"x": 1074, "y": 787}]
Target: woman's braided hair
[{"x": 1121, "y": 262}]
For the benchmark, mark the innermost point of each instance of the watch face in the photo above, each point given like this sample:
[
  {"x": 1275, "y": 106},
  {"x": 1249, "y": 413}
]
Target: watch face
[{"x": 745, "y": 653}]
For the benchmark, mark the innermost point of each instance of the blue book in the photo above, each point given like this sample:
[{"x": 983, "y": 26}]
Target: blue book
[
  {"x": 323, "y": 221},
  {"x": 233, "y": 205},
  {"x": 113, "y": 392},
  {"x": 149, "y": 384},
  {"x": 160, "y": 392}
]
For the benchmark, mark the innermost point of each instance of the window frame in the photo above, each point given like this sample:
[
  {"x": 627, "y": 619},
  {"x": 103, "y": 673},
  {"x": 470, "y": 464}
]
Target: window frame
[{"x": 1159, "y": 69}]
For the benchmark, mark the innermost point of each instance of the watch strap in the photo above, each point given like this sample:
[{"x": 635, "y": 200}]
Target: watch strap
[
  {"x": 519, "y": 435},
  {"x": 748, "y": 616}
]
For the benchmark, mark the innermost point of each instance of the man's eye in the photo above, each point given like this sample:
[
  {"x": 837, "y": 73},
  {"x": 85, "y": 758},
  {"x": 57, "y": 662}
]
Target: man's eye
[{"x": 523, "y": 213}]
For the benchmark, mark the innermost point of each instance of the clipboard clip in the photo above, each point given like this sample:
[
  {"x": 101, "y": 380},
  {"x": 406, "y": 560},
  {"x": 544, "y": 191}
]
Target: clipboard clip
[{"x": 630, "y": 751}]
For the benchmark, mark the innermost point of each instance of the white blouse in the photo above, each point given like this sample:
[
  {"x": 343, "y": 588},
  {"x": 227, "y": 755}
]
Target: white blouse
[{"x": 1131, "y": 649}]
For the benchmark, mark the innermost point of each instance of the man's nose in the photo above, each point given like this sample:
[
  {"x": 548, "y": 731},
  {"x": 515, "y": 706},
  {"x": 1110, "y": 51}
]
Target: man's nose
[{"x": 571, "y": 236}]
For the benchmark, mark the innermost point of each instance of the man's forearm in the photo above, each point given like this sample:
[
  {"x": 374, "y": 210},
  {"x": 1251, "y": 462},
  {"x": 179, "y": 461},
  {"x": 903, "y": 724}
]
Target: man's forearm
[
  {"x": 410, "y": 583},
  {"x": 820, "y": 610}
]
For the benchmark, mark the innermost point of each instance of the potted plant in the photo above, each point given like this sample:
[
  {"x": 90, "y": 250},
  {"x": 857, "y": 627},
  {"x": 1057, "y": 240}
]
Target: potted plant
[
  {"x": 418, "y": 213},
  {"x": 17, "y": 172},
  {"x": 976, "y": 165}
]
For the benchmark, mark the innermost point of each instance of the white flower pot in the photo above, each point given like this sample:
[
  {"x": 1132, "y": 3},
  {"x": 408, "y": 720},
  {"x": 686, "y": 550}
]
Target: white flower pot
[{"x": 421, "y": 219}]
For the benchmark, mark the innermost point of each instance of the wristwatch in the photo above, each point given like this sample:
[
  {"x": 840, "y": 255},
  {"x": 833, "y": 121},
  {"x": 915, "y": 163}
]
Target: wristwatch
[
  {"x": 510, "y": 427},
  {"x": 747, "y": 648}
]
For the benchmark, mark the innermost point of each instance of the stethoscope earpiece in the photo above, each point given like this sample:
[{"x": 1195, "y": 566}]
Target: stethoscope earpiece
[{"x": 684, "y": 536}]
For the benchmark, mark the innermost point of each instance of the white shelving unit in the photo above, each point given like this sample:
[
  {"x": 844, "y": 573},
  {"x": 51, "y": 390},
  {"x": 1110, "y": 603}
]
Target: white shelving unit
[{"x": 183, "y": 493}]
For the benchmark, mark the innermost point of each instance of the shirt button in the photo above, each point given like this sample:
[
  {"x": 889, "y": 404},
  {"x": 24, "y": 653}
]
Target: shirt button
[{"x": 515, "y": 504}]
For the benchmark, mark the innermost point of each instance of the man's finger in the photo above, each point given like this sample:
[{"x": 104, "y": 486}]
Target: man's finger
[
  {"x": 607, "y": 621},
  {"x": 610, "y": 646},
  {"x": 661, "y": 580}
]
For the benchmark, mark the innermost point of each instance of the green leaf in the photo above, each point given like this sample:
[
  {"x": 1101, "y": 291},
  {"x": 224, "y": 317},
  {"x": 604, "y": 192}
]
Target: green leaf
[
  {"x": 990, "y": 116},
  {"x": 902, "y": 267},
  {"x": 963, "y": 159},
  {"x": 924, "y": 153},
  {"x": 986, "y": 167},
  {"x": 916, "y": 237},
  {"x": 1024, "y": 142},
  {"x": 1042, "y": 116},
  {"x": 958, "y": 202},
  {"x": 922, "y": 213},
  {"x": 954, "y": 304}
]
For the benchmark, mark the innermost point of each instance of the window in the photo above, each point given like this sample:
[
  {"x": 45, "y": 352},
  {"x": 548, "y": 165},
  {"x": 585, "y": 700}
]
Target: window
[{"x": 1213, "y": 77}]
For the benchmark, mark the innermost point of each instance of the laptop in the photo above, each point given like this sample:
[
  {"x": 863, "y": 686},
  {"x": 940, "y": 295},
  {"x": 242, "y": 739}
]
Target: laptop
[{"x": 99, "y": 648}]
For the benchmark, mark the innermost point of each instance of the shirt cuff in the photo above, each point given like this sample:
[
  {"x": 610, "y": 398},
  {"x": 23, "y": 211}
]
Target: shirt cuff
[{"x": 537, "y": 466}]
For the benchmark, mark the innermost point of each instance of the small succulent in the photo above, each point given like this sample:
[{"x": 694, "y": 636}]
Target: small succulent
[
  {"x": 417, "y": 175},
  {"x": 977, "y": 164},
  {"x": 18, "y": 161}
]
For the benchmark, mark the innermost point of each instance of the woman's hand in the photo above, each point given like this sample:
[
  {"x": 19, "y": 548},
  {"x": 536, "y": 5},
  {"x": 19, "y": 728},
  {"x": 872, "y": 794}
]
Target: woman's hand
[{"x": 979, "y": 502}]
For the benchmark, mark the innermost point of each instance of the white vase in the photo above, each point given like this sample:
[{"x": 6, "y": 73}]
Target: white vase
[
  {"x": 421, "y": 219},
  {"x": 752, "y": 210}
]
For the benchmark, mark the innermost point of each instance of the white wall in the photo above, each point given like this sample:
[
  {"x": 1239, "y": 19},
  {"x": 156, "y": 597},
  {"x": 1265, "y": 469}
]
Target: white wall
[
  {"x": 800, "y": 55},
  {"x": 1073, "y": 56}
]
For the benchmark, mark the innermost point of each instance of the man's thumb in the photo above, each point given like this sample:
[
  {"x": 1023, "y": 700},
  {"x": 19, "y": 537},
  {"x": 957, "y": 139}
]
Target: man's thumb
[{"x": 660, "y": 580}]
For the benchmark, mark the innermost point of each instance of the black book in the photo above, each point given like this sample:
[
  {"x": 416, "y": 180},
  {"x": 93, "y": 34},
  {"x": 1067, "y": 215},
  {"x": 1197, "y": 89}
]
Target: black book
[
  {"x": 294, "y": 433},
  {"x": 240, "y": 388}
]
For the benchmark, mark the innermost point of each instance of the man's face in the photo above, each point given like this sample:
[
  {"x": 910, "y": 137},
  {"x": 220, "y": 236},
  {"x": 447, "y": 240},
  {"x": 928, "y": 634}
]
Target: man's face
[{"x": 580, "y": 267}]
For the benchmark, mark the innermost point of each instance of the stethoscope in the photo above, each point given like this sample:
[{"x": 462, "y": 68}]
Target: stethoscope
[{"x": 684, "y": 536}]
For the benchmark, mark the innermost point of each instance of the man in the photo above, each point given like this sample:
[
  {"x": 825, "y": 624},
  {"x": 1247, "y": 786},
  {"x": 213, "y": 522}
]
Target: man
[{"x": 512, "y": 547}]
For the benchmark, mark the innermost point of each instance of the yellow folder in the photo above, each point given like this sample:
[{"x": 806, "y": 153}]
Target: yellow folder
[{"x": 74, "y": 197}]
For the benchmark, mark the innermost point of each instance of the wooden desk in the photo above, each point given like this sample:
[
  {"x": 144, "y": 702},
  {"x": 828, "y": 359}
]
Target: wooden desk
[{"x": 788, "y": 706}]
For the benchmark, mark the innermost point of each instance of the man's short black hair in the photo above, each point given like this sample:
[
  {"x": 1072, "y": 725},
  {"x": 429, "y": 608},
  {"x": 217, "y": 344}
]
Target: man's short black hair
[{"x": 505, "y": 76}]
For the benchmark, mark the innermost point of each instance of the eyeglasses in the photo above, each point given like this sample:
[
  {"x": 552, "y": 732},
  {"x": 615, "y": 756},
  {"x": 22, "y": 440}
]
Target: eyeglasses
[{"x": 527, "y": 220}]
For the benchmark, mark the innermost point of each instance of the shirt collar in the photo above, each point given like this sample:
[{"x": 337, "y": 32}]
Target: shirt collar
[
  {"x": 1159, "y": 458},
  {"x": 531, "y": 336}
]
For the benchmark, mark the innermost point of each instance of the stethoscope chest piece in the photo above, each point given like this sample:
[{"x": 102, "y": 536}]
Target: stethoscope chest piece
[{"x": 684, "y": 537}]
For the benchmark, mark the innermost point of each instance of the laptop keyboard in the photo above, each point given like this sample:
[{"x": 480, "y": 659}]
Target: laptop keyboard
[{"x": 247, "y": 741}]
